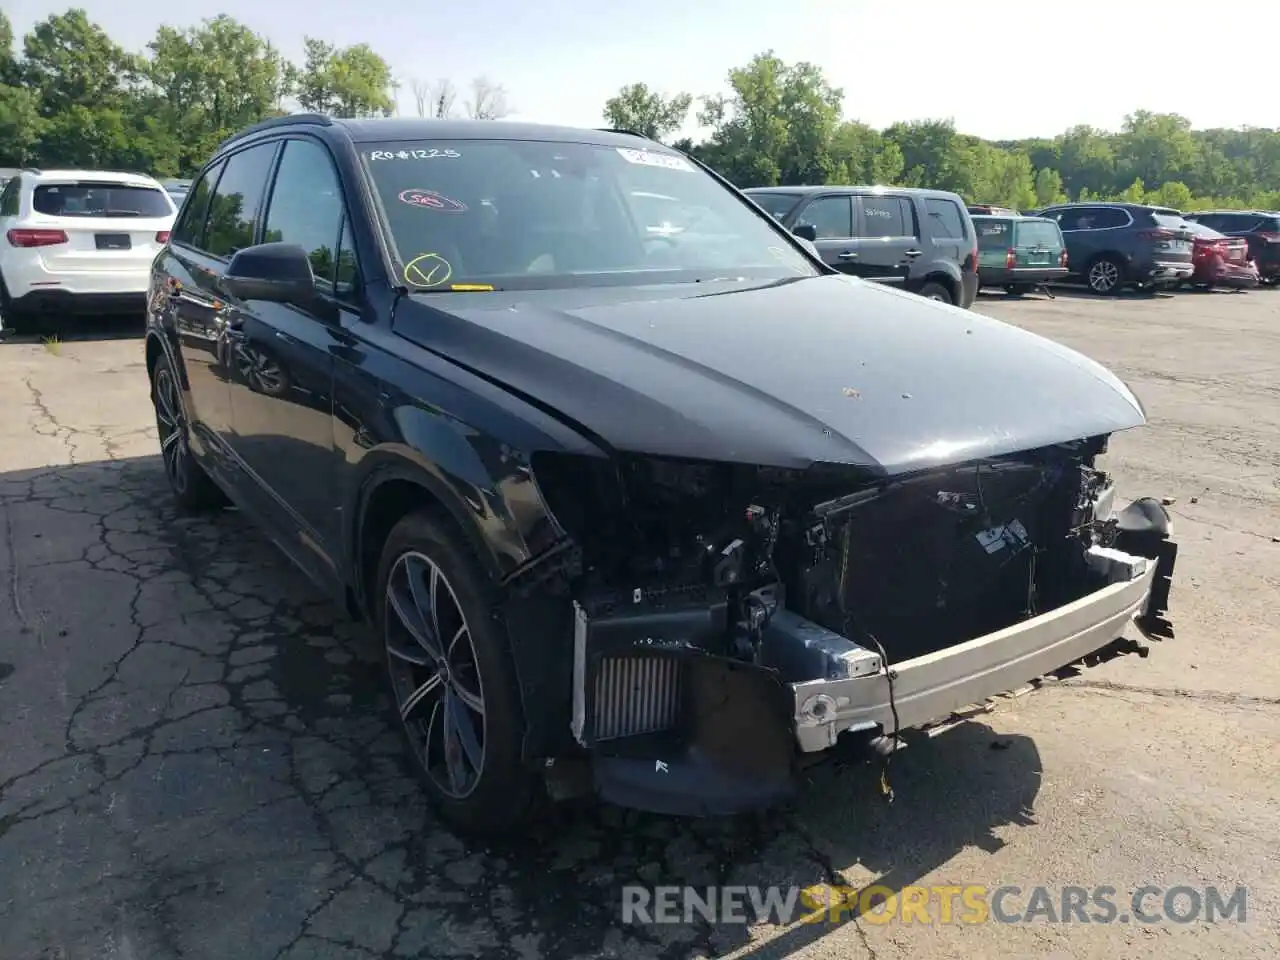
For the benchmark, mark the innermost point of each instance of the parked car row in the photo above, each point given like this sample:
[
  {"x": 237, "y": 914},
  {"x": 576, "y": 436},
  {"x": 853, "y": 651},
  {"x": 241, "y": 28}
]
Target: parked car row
[{"x": 931, "y": 243}]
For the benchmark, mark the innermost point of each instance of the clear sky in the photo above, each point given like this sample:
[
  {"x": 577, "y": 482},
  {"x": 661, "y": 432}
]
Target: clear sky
[{"x": 1000, "y": 69}]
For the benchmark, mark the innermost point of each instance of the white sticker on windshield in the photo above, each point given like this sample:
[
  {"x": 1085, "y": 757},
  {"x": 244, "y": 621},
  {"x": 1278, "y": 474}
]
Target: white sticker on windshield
[
  {"x": 668, "y": 161},
  {"x": 431, "y": 154}
]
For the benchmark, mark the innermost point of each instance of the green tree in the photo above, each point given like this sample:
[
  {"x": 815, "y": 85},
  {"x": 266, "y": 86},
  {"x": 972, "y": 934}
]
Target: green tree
[
  {"x": 1172, "y": 194},
  {"x": 71, "y": 61},
  {"x": 776, "y": 126},
  {"x": 20, "y": 126},
  {"x": 348, "y": 82},
  {"x": 1048, "y": 187},
  {"x": 647, "y": 112},
  {"x": 1156, "y": 147},
  {"x": 1136, "y": 192},
  {"x": 207, "y": 82}
]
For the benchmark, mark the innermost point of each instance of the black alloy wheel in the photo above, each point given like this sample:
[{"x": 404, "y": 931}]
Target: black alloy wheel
[
  {"x": 452, "y": 677},
  {"x": 191, "y": 486}
]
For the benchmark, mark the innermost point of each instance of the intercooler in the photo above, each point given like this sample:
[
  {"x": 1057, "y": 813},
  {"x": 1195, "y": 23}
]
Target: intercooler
[
  {"x": 629, "y": 660},
  {"x": 635, "y": 695}
]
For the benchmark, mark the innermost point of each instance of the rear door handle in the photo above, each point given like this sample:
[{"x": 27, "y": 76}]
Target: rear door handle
[
  {"x": 913, "y": 253},
  {"x": 847, "y": 255}
]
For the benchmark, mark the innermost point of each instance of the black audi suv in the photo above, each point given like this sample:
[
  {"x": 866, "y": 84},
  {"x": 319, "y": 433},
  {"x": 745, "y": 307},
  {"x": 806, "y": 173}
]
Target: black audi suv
[{"x": 639, "y": 496}]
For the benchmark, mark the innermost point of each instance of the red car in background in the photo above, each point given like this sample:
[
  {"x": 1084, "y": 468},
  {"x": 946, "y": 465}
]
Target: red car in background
[{"x": 1220, "y": 261}]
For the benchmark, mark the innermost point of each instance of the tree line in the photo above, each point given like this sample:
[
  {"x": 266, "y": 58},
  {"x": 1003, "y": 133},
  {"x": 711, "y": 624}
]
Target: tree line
[
  {"x": 73, "y": 97},
  {"x": 783, "y": 123}
]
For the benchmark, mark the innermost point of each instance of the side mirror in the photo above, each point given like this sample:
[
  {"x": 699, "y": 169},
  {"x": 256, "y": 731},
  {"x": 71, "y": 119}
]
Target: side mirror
[
  {"x": 806, "y": 231},
  {"x": 275, "y": 272}
]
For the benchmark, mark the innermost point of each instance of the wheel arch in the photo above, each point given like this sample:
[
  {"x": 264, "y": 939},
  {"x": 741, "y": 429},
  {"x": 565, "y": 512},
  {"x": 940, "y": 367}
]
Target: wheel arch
[
  {"x": 395, "y": 483},
  {"x": 158, "y": 345},
  {"x": 944, "y": 279}
]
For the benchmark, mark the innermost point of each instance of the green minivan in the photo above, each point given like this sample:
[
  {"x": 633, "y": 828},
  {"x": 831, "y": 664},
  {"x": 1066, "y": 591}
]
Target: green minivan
[{"x": 1019, "y": 253}]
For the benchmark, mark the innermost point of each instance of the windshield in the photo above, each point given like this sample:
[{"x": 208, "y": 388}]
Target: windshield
[
  {"x": 84, "y": 199},
  {"x": 518, "y": 214}
]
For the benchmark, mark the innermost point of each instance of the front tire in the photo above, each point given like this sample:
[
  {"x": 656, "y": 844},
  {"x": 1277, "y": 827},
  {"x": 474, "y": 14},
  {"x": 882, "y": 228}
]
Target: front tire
[
  {"x": 1105, "y": 276},
  {"x": 191, "y": 486},
  {"x": 452, "y": 678}
]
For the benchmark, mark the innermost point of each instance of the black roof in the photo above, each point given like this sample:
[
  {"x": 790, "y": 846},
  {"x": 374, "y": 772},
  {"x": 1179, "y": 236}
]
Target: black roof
[
  {"x": 1119, "y": 204},
  {"x": 1245, "y": 213},
  {"x": 378, "y": 129},
  {"x": 1008, "y": 216}
]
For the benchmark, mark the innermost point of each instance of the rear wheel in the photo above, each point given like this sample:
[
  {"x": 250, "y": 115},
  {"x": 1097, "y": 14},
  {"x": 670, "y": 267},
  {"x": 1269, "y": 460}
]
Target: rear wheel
[
  {"x": 1105, "y": 276},
  {"x": 192, "y": 487},
  {"x": 936, "y": 291},
  {"x": 453, "y": 679}
]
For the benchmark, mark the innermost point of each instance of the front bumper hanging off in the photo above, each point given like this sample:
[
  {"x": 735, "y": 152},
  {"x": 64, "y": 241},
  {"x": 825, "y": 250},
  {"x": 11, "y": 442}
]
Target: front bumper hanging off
[{"x": 673, "y": 729}]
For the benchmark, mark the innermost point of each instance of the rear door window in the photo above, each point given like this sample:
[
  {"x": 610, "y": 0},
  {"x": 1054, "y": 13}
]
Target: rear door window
[
  {"x": 189, "y": 229},
  {"x": 831, "y": 217},
  {"x": 777, "y": 205},
  {"x": 886, "y": 217},
  {"x": 945, "y": 218},
  {"x": 233, "y": 208},
  {"x": 87, "y": 198},
  {"x": 993, "y": 234},
  {"x": 1212, "y": 220},
  {"x": 1110, "y": 217}
]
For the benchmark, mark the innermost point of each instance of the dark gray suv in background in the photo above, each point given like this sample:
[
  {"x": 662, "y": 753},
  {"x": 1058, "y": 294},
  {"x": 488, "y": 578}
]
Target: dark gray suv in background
[
  {"x": 1111, "y": 246},
  {"x": 920, "y": 240}
]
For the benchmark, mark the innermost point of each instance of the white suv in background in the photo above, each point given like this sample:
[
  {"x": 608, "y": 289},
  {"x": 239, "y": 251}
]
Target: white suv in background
[{"x": 78, "y": 241}]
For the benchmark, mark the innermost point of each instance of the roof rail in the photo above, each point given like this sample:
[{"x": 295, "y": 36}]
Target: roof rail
[
  {"x": 314, "y": 119},
  {"x": 625, "y": 133}
]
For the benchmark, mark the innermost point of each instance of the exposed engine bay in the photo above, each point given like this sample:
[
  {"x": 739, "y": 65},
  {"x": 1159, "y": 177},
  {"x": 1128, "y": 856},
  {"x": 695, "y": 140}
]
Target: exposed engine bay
[
  {"x": 703, "y": 591},
  {"x": 915, "y": 564}
]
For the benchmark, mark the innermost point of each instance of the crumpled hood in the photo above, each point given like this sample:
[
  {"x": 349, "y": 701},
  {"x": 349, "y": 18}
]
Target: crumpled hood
[{"x": 823, "y": 369}]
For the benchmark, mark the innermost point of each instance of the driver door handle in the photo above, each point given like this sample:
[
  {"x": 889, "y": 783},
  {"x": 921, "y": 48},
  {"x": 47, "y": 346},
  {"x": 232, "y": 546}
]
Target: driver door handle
[{"x": 847, "y": 255}]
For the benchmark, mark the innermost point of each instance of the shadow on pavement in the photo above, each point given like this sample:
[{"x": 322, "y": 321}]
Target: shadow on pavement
[
  {"x": 199, "y": 762},
  {"x": 69, "y": 328}
]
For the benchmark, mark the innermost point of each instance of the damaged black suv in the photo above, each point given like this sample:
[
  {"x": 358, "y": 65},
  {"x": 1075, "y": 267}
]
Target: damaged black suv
[{"x": 641, "y": 497}]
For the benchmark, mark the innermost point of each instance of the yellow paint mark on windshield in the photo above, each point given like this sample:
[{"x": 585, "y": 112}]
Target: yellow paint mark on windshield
[{"x": 428, "y": 270}]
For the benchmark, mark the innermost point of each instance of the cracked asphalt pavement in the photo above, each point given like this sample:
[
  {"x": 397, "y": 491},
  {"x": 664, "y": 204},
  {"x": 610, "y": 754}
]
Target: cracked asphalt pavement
[{"x": 196, "y": 759}]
